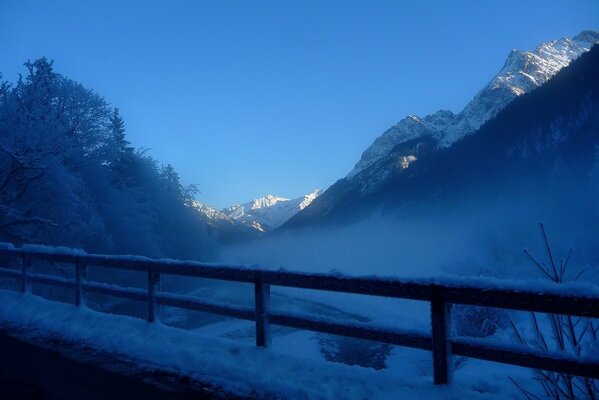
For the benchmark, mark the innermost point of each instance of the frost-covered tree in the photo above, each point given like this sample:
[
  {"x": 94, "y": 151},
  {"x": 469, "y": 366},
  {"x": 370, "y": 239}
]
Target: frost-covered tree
[
  {"x": 172, "y": 184},
  {"x": 69, "y": 176},
  {"x": 170, "y": 179},
  {"x": 39, "y": 141},
  {"x": 122, "y": 154}
]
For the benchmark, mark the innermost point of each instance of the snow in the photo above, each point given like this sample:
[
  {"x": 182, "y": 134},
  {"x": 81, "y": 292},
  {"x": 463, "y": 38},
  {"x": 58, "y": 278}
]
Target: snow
[
  {"x": 296, "y": 364},
  {"x": 522, "y": 72},
  {"x": 407, "y": 129},
  {"x": 239, "y": 210},
  {"x": 210, "y": 212},
  {"x": 37, "y": 248},
  {"x": 212, "y": 216},
  {"x": 52, "y": 249},
  {"x": 6, "y": 246},
  {"x": 405, "y": 161},
  {"x": 527, "y": 350},
  {"x": 270, "y": 212},
  {"x": 285, "y": 370},
  {"x": 262, "y": 214}
]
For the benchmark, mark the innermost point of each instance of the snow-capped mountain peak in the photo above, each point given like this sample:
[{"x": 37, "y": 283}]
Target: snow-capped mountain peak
[
  {"x": 260, "y": 215},
  {"x": 309, "y": 198},
  {"x": 522, "y": 72},
  {"x": 238, "y": 211},
  {"x": 525, "y": 70},
  {"x": 267, "y": 201},
  {"x": 210, "y": 212},
  {"x": 408, "y": 128},
  {"x": 269, "y": 212}
]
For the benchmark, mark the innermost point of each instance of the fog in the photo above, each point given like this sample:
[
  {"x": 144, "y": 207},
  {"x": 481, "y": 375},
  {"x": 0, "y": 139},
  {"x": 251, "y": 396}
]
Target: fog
[{"x": 483, "y": 235}]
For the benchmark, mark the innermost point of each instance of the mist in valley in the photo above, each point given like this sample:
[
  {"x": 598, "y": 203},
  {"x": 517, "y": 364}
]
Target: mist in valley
[{"x": 476, "y": 235}]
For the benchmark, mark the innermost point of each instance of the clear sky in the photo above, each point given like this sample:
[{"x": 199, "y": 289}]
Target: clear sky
[{"x": 248, "y": 98}]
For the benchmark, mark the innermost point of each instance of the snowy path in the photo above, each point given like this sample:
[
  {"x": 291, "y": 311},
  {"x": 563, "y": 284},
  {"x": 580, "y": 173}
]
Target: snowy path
[{"x": 235, "y": 366}]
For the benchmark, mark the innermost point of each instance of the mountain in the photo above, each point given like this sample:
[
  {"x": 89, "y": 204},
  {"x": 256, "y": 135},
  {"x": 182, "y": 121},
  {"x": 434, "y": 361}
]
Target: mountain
[
  {"x": 212, "y": 216},
  {"x": 221, "y": 226},
  {"x": 550, "y": 128},
  {"x": 257, "y": 211},
  {"x": 269, "y": 212},
  {"x": 252, "y": 219},
  {"x": 522, "y": 72}
]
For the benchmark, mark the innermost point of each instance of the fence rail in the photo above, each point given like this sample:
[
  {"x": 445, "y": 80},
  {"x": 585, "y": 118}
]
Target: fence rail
[{"x": 439, "y": 294}]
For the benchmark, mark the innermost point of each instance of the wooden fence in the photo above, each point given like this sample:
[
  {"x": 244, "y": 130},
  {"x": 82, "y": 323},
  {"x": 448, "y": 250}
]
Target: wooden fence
[{"x": 440, "y": 295}]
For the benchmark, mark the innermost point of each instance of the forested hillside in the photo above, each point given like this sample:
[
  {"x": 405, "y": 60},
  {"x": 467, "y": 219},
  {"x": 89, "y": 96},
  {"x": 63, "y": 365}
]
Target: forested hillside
[{"x": 68, "y": 175}]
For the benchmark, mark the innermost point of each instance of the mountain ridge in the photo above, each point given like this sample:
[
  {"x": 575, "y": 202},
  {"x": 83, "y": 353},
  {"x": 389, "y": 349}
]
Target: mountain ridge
[
  {"x": 522, "y": 72},
  {"x": 390, "y": 185},
  {"x": 269, "y": 211},
  {"x": 254, "y": 218}
]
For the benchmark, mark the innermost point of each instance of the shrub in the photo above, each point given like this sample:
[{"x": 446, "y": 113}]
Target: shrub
[{"x": 552, "y": 332}]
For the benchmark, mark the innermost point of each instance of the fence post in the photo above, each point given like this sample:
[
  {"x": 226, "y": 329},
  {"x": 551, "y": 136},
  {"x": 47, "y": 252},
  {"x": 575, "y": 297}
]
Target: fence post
[
  {"x": 440, "y": 320},
  {"x": 26, "y": 268},
  {"x": 153, "y": 286},
  {"x": 262, "y": 300},
  {"x": 80, "y": 278}
]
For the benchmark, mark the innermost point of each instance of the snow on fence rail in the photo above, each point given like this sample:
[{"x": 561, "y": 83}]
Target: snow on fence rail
[{"x": 441, "y": 294}]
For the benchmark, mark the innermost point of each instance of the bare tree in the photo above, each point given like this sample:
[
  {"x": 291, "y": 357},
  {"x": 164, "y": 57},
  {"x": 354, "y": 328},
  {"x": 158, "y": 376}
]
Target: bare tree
[{"x": 563, "y": 333}]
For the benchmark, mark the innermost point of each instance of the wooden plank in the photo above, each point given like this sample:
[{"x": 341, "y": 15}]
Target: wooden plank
[
  {"x": 117, "y": 291},
  {"x": 172, "y": 267},
  {"x": 52, "y": 280},
  {"x": 196, "y": 304},
  {"x": 455, "y": 292},
  {"x": 80, "y": 277},
  {"x": 153, "y": 287},
  {"x": 526, "y": 357},
  {"x": 39, "y": 278},
  {"x": 395, "y": 337},
  {"x": 115, "y": 262},
  {"x": 26, "y": 270},
  {"x": 440, "y": 320},
  {"x": 7, "y": 252},
  {"x": 366, "y": 286},
  {"x": 513, "y": 299},
  {"x": 262, "y": 304},
  {"x": 11, "y": 273},
  {"x": 209, "y": 271}
]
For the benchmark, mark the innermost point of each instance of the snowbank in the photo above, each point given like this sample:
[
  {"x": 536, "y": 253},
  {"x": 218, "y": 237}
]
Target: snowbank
[{"x": 237, "y": 367}]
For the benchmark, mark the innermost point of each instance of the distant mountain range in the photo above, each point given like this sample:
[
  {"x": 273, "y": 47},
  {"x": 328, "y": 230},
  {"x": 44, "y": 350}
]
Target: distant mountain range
[
  {"x": 255, "y": 217},
  {"x": 421, "y": 158},
  {"x": 269, "y": 212}
]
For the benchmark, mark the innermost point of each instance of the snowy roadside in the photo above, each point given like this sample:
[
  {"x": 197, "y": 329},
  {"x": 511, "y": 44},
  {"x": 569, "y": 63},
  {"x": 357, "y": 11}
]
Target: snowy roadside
[{"x": 237, "y": 367}]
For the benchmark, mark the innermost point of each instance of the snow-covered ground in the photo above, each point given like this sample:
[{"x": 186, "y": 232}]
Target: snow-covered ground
[{"x": 292, "y": 368}]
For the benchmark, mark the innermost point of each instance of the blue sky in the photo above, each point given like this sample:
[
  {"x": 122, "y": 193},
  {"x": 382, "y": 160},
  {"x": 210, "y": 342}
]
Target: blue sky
[{"x": 248, "y": 98}]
